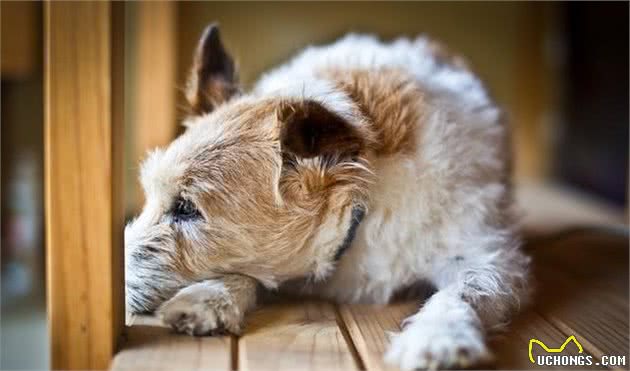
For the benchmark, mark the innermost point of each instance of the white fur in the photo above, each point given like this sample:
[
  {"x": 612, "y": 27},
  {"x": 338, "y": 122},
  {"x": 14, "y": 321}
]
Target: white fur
[
  {"x": 443, "y": 334},
  {"x": 201, "y": 308},
  {"x": 440, "y": 214}
]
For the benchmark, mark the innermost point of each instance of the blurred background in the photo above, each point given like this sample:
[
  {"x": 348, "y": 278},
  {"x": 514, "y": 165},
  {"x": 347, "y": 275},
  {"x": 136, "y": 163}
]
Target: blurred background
[{"x": 559, "y": 69}]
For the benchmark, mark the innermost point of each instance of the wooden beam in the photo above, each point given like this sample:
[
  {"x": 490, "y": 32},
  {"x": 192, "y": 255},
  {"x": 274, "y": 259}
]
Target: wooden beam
[
  {"x": 153, "y": 84},
  {"x": 83, "y": 135}
]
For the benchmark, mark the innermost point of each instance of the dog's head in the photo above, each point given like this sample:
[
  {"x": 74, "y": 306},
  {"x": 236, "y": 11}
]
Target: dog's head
[{"x": 260, "y": 185}]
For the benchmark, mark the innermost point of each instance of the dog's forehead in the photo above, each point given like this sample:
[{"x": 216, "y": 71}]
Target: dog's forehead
[
  {"x": 212, "y": 144},
  {"x": 167, "y": 170}
]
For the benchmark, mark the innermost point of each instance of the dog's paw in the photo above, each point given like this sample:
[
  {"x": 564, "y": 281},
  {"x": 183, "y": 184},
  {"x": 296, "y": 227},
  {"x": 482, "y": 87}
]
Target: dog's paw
[
  {"x": 430, "y": 346},
  {"x": 205, "y": 308}
]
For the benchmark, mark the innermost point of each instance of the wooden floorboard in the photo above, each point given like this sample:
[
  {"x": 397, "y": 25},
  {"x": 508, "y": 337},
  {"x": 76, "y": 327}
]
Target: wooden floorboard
[
  {"x": 511, "y": 348},
  {"x": 583, "y": 290},
  {"x": 369, "y": 325},
  {"x": 294, "y": 336},
  {"x": 590, "y": 315},
  {"x": 150, "y": 346}
]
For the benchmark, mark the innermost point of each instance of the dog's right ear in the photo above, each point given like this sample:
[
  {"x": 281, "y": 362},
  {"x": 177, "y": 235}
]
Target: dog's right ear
[
  {"x": 308, "y": 129},
  {"x": 213, "y": 79}
]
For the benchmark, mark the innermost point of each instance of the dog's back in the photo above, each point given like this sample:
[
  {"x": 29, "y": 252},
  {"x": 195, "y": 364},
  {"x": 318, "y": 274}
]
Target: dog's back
[{"x": 440, "y": 160}]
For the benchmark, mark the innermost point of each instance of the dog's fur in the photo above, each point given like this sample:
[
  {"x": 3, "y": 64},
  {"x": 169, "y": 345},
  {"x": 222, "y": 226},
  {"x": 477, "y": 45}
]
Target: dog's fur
[{"x": 261, "y": 187}]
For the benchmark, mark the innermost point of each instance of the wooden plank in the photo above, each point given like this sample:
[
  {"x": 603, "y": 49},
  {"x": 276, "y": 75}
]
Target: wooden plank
[
  {"x": 294, "y": 336},
  {"x": 152, "y": 115},
  {"x": 582, "y": 289},
  {"x": 511, "y": 349},
  {"x": 599, "y": 318},
  {"x": 593, "y": 257},
  {"x": 368, "y": 326},
  {"x": 582, "y": 281},
  {"x": 151, "y": 346},
  {"x": 83, "y": 127}
]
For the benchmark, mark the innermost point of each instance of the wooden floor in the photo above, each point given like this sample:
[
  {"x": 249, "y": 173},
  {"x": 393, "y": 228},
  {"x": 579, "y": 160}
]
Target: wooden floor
[{"x": 582, "y": 290}]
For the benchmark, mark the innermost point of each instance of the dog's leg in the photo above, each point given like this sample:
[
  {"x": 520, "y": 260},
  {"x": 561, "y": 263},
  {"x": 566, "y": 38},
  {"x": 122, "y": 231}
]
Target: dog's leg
[
  {"x": 210, "y": 306},
  {"x": 473, "y": 298}
]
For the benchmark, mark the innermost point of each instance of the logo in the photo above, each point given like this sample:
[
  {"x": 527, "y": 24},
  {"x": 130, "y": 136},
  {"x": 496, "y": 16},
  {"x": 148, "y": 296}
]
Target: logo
[
  {"x": 580, "y": 359},
  {"x": 553, "y": 350}
]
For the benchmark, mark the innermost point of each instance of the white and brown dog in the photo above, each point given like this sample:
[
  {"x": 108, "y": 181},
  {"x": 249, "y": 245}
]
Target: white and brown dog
[{"x": 359, "y": 168}]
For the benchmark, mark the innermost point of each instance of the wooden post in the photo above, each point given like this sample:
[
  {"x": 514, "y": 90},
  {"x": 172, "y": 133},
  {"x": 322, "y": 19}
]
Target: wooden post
[
  {"x": 532, "y": 92},
  {"x": 83, "y": 148},
  {"x": 153, "y": 93}
]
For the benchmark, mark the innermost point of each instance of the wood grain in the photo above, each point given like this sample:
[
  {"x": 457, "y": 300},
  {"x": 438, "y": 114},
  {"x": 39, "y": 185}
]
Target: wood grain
[
  {"x": 586, "y": 294},
  {"x": 369, "y": 325},
  {"x": 83, "y": 126},
  {"x": 511, "y": 349},
  {"x": 150, "y": 346},
  {"x": 294, "y": 336},
  {"x": 579, "y": 293},
  {"x": 152, "y": 115}
]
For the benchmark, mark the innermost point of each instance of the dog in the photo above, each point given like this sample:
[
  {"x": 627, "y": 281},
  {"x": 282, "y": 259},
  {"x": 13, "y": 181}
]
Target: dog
[{"x": 353, "y": 171}]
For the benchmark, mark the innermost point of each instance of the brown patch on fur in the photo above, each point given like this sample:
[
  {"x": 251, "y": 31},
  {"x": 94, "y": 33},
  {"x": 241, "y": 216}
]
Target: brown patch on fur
[
  {"x": 390, "y": 99},
  {"x": 309, "y": 130}
]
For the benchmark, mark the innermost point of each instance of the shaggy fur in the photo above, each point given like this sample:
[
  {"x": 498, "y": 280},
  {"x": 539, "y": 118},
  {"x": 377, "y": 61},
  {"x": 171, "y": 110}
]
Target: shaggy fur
[{"x": 260, "y": 190}]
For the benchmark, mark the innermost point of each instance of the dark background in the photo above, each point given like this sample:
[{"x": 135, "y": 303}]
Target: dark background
[{"x": 592, "y": 152}]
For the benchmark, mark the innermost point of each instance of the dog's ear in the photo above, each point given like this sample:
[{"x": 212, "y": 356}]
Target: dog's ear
[
  {"x": 213, "y": 78},
  {"x": 308, "y": 130}
]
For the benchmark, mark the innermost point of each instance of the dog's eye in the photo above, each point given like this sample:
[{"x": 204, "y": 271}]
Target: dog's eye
[{"x": 184, "y": 210}]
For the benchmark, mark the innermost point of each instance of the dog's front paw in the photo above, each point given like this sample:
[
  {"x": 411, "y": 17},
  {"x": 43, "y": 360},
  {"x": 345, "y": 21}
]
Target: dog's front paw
[
  {"x": 435, "y": 345},
  {"x": 205, "y": 308}
]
